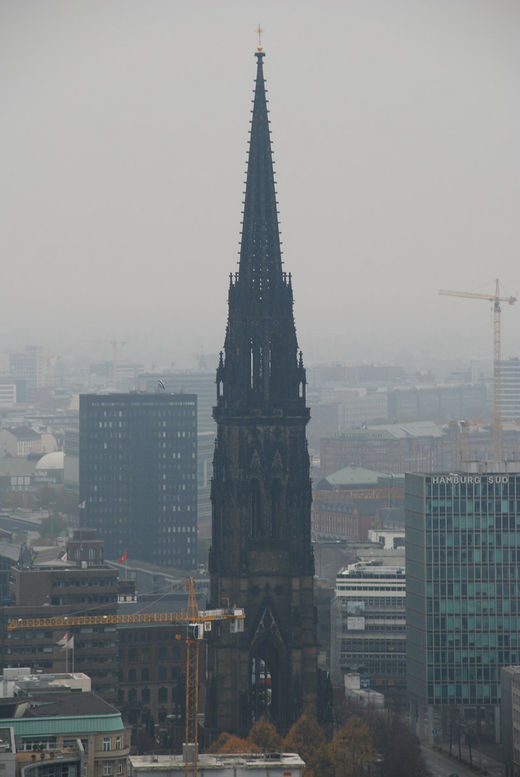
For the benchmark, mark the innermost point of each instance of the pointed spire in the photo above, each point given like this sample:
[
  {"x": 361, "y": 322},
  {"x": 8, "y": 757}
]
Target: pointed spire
[
  {"x": 260, "y": 366},
  {"x": 260, "y": 255}
]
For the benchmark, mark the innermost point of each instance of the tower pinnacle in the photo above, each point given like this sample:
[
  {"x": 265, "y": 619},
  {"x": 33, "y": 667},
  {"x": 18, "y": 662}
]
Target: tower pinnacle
[{"x": 259, "y": 32}]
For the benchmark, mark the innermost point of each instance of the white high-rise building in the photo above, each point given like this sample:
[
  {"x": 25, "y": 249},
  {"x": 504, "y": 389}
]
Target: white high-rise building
[
  {"x": 369, "y": 627},
  {"x": 510, "y": 390}
]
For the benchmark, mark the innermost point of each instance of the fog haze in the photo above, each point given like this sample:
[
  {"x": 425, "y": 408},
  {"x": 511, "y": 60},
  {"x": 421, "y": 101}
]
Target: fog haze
[{"x": 123, "y": 145}]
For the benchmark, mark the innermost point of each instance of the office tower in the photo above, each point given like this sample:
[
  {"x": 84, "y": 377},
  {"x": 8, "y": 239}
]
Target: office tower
[
  {"x": 462, "y": 594},
  {"x": 138, "y": 475},
  {"x": 369, "y": 627},
  {"x": 261, "y": 556}
]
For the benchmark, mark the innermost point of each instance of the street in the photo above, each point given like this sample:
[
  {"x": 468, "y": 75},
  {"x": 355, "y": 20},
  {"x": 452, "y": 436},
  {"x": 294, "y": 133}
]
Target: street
[{"x": 441, "y": 765}]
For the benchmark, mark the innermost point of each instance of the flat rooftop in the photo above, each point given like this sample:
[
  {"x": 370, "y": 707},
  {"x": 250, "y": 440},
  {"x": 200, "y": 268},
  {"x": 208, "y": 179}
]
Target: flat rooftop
[{"x": 220, "y": 761}]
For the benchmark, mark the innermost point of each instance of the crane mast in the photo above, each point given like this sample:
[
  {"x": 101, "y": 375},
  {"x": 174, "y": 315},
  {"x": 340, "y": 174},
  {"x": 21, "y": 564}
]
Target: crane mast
[{"x": 496, "y": 299}]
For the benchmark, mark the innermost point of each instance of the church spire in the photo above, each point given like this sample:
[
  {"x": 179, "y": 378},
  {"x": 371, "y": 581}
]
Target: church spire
[
  {"x": 261, "y": 552},
  {"x": 260, "y": 366},
  {"x": 260, "y": 255}
]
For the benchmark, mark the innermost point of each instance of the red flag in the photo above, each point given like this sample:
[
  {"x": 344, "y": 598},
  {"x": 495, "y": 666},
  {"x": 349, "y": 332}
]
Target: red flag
[{"x": 123, "y": 558}]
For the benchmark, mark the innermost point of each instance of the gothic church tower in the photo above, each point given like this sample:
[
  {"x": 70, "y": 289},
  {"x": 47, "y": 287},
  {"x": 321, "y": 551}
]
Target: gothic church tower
[{"x": 261, "y": 556}]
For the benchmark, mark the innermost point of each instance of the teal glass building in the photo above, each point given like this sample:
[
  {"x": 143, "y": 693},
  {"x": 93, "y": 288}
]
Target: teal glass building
[{"x": 462, "y": 591}]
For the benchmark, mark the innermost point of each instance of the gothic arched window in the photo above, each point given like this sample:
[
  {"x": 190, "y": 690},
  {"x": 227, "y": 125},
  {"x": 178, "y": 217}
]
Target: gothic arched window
[
  {"x": 277, "y": 521},
  {"x": 256, "y": 509}
]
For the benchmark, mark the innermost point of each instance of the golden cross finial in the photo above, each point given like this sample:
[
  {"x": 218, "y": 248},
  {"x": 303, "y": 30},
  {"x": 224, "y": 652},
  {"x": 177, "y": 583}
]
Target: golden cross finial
[{"x": 259, "y": 31}]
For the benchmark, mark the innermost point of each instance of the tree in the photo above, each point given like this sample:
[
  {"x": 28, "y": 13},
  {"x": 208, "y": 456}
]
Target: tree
[
  {"x": 305, "y": 737},
  {"x": 229, "y": 743},
  {"x": 53, "y": 525},
  {"x": 264, "y": 735},
  {"x": 321, "y": 763},
  {"x": 46, "y": 496},
  {"x": 352, "y": 749},
  {"x": 393, "y": 738},
  {"x": 402, "y": 756}
]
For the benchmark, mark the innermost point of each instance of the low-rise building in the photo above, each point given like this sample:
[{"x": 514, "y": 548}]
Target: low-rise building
[
  {"x": 225, "y": 765},
  {"x": 152, "y": 671},
  {"x": 357, "y": 689},
  {"x": 77, "y": 583},
  {"x": 7, "y": 752},
  {"x": 79, "y": 730},
  {"x": 510, "y": 717},
  {"x": 352, "y": 501}
]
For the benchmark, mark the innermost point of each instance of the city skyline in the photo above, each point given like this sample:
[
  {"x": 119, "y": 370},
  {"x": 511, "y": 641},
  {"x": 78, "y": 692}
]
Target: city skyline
[{"x": 396, "y": 135}]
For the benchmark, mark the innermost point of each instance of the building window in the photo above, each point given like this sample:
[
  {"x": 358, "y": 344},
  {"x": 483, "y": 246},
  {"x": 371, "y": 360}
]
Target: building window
[
  {"x": 120, "y": 767},
  {"x": 107, "y": 768},
  {"x": 162, "y": 674},
  {"x": 145, "y": 695},
  {"x": 145, "y": 675},
  {"x": 118, "y": 743},
  {"x": 163, "y": 695},
  {"x": 107, "y": 744}
]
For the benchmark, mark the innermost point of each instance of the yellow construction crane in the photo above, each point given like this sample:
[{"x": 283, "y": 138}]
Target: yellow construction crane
[
  {"x": 197, "y": 623},
  {"x": 496, "y": 299}
]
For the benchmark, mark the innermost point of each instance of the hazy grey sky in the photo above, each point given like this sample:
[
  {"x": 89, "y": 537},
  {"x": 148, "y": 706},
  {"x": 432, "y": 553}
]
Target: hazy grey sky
[{"x": 396, "y": 131}]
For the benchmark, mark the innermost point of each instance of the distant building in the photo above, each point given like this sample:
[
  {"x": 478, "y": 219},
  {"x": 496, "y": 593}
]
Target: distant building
[
  {"x": 71, "y": 462},
  {"x": 16, "y": 473},
  {"x": 510, "y": 388},
  {"x": 138, "y": 475},
  {"x": 397, "y": 448},
  {"x": 438, "y": 403},
  {"x": 369, "y": 628},
  {"x": 358, "y": 406},
  {"x": 20, "y": 441},
  {"x": 7, "y": 393},
  {"x": 462, "y": 594},
  {"x": 29, "y": 366}
]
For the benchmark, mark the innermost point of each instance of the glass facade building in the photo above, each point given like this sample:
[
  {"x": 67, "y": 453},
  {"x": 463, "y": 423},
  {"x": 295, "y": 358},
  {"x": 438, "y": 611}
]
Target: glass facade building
[{"x": 462, "y": 586}]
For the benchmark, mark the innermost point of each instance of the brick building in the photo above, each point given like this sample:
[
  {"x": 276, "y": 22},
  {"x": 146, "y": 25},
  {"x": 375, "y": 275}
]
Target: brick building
[
  {"x": 77, "y": 584},
  {"x": 152, "y": 673}
]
